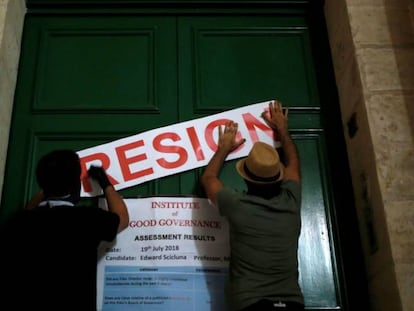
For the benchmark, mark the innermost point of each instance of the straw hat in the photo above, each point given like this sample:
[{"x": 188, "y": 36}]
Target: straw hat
[{"x": 262, "y": 165}]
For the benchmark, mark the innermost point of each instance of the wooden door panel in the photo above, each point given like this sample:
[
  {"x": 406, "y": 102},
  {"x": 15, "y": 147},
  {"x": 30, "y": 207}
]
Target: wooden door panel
[
  {"x": 317, "y": 259},
  {"x": 227, "y": 62},
  {"x": 102, "y": 65}
]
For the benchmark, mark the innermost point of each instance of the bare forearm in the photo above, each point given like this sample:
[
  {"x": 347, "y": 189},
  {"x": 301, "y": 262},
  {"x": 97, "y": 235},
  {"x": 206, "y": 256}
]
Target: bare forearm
[
  {"x": 277, "y": 119},
  {"x": 209, "y": 179},
  {"x": 35, "y": 200},
  {"x": 291, "y": 155},
  {"x": 289, "y": 147},
  {"x": 117, "y": 205},
  {"x": 216, "y": 162}
]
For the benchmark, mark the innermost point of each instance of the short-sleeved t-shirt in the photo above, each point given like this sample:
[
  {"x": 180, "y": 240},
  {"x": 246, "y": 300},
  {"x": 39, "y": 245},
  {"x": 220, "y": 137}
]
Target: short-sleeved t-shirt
[
  {"x": 49, "y": 258},
  {"x": 264, "y": 237}
]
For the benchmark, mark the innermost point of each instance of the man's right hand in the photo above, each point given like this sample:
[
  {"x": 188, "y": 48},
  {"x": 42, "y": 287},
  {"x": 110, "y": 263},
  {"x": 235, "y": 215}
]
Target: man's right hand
[{"x": 98, "y": 173}]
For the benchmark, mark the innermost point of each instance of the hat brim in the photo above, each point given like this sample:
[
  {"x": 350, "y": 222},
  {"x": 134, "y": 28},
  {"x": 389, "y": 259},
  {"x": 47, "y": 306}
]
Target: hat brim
[{"x": 240, "y": 169}]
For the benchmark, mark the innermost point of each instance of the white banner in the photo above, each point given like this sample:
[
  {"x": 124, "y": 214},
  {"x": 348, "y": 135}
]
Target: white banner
[
  {"x": 172, "y": 149},
  {"x": 173, "y": 256}
]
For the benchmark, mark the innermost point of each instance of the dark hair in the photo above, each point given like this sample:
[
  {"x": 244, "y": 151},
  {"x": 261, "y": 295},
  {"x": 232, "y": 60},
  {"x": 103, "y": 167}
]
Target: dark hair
[{"x": 58, "y": 173}]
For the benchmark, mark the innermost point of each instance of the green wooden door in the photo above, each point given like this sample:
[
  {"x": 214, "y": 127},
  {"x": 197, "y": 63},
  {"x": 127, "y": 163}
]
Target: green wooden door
[{"x": 88, "y": 79}]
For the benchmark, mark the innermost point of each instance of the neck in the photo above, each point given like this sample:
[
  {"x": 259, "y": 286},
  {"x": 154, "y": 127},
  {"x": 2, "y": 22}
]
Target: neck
[{"x": 266, "y": 191}]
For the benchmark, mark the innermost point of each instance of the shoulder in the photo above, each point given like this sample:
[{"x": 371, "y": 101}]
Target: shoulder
[
  {"x": 292, "y": 187},
  {"x": 94, "y": 211},
  {"x": 227, "y": 192},
  {"x": 23, "y": 216},
  {"x": 290, "y": 183},
  {"x": 227, "y": 196}
]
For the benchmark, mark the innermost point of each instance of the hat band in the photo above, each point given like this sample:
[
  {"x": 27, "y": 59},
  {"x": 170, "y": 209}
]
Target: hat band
[{"x": 259, "y": 178}]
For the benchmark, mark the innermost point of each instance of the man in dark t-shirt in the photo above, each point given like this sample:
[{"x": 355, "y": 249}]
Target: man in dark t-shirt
[
  {"x": 49, "y": 250},
  {"x": 264, "y": 222}
]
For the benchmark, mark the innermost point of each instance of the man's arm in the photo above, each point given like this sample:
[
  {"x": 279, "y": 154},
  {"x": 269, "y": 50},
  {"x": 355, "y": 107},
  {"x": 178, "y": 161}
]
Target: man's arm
[
  {"x": 226, "y": 143},
  {"x": 278, "y": 121},
  {"x": 117, "y": 205},
  {"x": 35, "y": 200},
  {"x": 114, "y": 201}
]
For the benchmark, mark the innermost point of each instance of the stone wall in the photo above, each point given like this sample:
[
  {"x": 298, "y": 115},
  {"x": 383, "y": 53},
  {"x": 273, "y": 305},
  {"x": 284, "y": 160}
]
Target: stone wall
[
  {"x": 372, "y": 43},
  {"x": 11, "y": 25}
]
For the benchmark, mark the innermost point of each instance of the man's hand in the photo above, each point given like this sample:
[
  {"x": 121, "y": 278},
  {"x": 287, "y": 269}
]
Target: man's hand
[
  {"x": 276, "y": 117},
  {"x": 228, "y": 140},
  {"x": 98, "y": 173}
]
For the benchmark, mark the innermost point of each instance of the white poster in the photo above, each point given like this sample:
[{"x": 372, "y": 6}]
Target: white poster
[
  {"x": 173, "y": 149},
  {"x": 173, "y": 256}
]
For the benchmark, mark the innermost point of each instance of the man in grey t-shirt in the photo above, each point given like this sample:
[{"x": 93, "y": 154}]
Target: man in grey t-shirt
[{"x": 264, "y": 222}]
